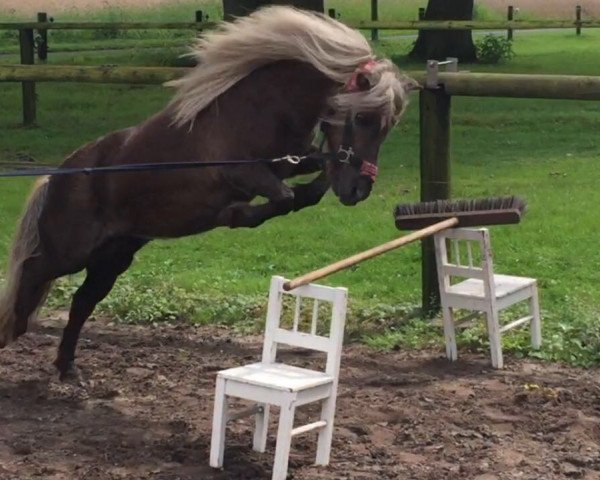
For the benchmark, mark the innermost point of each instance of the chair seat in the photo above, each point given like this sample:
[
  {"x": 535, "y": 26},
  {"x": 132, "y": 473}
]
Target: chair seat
[
  {"x": 505, "y": 285},
  {"x": 277, "y": 376}
]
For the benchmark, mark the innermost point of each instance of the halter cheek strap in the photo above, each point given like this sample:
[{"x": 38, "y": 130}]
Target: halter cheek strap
[
  {"x": 345, "y": 154},
  {"x": 367, "y": 169}
]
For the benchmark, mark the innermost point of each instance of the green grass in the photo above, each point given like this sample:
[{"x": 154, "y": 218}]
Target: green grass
[
  {"x": 546, "y": 151},
  {"x": 184, "y": 11}
]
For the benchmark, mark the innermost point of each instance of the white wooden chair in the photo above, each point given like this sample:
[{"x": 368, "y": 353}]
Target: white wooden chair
[
  {"x": 482, "y": 291},
  {"x": 271, "y": 383}
]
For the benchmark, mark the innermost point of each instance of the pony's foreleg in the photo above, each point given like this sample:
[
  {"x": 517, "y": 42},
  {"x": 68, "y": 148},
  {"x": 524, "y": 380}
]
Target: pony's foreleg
[
  {"x": 251, "y": 216},
  {"x": 257, "y": 181},
  {"x": 106, "y": 264},
  {"x": 308, "y": 194},
  {"x": 250, "y": 184}
]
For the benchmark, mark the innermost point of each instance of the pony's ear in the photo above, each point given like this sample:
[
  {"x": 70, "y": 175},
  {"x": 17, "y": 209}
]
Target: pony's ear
[
  {"x": 362, "y": 82},
  {"x": 410, "y": 84}
]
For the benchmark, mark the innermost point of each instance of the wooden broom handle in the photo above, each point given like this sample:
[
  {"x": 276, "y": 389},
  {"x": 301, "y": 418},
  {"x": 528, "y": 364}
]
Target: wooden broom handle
[{"x": 373, "y": 252}]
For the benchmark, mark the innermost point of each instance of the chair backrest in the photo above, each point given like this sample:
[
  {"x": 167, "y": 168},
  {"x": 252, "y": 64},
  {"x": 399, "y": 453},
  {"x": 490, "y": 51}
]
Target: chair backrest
[
  {"x": 275, "y": 334},
  {"x": 464, "y": 253}
]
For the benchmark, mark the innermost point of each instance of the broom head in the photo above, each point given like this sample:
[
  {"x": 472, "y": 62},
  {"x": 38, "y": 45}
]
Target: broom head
[{"x": 470, "y": 213}]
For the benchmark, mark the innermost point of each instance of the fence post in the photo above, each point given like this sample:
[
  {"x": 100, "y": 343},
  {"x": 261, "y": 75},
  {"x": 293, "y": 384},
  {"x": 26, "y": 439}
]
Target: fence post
[
  {"x": 199, "y": 18},
  {"x": 374, "y": 17},
  {"x": 42, "y": 49},
  {"x": 434, "y": 105},
  {"x": 578, "y": 18},
  {"x": 421, "y": 14},
  {"x": 28, "y": 88},
  {"x": 510, "y": 16}
]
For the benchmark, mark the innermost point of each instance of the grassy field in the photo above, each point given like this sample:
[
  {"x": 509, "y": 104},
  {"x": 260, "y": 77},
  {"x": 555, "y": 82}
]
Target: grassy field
[
  {"x": 182, "y": 10},
  {"x": 546, "y": 151}
]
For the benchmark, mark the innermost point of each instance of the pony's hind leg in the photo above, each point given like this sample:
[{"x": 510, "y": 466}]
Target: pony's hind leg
[
  {"x": 36, "y": 278},
  {"x": 109, "y": 261}
]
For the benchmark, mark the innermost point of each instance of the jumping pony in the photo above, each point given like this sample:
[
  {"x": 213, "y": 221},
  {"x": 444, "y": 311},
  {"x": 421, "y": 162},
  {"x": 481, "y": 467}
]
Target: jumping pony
[{"x": 263, "y": 87}]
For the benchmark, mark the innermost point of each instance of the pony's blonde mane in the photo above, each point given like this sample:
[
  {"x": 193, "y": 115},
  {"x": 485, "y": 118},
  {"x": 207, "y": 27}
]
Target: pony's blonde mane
[{"x": 235, "y": 49}]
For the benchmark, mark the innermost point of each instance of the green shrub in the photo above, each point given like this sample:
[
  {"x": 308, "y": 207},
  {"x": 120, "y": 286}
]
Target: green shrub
[{"x": 494, "y": 49}]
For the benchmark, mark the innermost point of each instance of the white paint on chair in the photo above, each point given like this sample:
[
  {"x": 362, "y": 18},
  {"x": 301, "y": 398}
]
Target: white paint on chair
[{"x": 269, "y": 383}]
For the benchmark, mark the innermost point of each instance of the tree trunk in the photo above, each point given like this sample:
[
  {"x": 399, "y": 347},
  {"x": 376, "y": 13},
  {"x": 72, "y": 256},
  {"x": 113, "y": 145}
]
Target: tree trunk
[
  {"x": 244, "y": 7},
  {"x": 440, "y": 44}
]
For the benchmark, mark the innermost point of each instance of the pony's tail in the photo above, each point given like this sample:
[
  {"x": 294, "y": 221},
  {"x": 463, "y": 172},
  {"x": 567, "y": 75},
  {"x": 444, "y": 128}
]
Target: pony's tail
[{"x": 25, "y": 245}]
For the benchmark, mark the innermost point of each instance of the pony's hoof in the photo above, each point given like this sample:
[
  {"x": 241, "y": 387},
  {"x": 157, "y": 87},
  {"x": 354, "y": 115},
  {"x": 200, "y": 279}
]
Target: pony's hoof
[
  {"x": 5, "y": 338},
  {"x": 234, "y": 215},
  {"x": 69, "y": 373}
]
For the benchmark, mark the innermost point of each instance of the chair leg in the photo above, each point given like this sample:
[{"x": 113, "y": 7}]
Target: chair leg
[
  {"x": 493, "y": 324},
  {"x": 284, "y": 440},
  {"x": 217, "y": 442},
  {"x": 536, "y": 321},
  {"x": 261, "y": 427},
  {"x": 326, "y": 434},
  {"x": 449, "y": 334}
]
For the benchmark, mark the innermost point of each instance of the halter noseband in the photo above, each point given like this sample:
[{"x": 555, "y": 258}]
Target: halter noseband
[{"x": 345, "y": 153}]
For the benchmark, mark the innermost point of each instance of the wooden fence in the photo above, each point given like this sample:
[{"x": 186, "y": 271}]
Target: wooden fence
[{"x": 435, "y": 116}]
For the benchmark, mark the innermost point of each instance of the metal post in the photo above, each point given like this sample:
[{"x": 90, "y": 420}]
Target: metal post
[
  {"x": 435, "y": 181},
  {"x": 28, "y": 88},
  {"x": 578, "y": 18},
  {"x": 42, "y": 49},
  {"x": 510, "y": 16},
  {"x": 374, "y": 17}
]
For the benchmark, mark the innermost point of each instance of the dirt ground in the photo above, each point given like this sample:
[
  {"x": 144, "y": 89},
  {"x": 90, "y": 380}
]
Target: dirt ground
[{"x": 144, "y": 411}]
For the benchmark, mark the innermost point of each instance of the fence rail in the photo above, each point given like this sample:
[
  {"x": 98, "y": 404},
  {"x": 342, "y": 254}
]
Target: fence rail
[
  {"x": 90, "y": 74},
  {"x": 362, "y": 25},
  {"x": 105, "y": 25},
  {"x": 566, "y": 87}
]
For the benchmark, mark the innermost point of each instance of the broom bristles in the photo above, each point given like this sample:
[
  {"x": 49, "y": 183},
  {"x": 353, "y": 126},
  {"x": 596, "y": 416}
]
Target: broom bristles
[
  {"x": 470, "y": 212},
  {"x": 458, "y": 206}
]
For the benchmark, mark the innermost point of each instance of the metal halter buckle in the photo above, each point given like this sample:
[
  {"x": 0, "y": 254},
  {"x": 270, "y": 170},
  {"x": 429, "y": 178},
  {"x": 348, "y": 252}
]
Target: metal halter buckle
[
  {"x": 293, "y": 159},
  {"x": 347, "y": 152}
]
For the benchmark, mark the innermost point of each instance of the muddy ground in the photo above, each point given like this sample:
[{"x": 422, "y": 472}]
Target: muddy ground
[{"x": 144, "y": 411}]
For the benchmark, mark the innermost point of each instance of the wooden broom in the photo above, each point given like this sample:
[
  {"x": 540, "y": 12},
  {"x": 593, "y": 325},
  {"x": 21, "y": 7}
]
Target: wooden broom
[{"x": 430, "y": 217}]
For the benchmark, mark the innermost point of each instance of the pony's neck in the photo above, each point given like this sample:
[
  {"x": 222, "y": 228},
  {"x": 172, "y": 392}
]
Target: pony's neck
[{"x": 270, "y": 113}]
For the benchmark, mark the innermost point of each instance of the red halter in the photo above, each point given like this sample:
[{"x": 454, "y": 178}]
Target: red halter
[{"x": 367, "y": 67}]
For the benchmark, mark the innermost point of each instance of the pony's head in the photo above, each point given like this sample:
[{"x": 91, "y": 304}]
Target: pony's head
[
  {"x": 367, "y": 98},
  {"x": 356, "y": 123}
]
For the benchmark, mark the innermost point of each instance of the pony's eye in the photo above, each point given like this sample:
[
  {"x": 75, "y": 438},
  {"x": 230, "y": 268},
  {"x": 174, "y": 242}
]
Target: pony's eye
[{"x": 362, "y": 120}]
